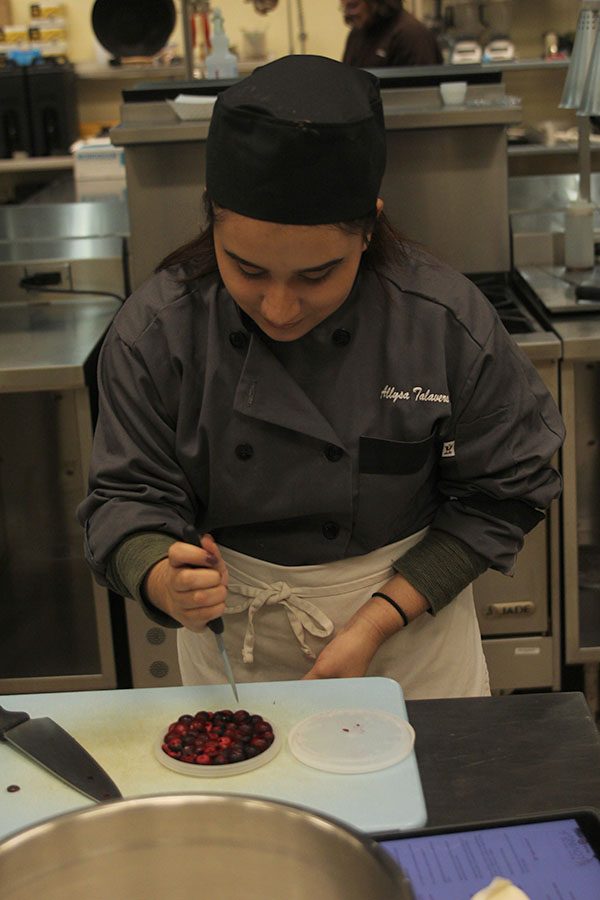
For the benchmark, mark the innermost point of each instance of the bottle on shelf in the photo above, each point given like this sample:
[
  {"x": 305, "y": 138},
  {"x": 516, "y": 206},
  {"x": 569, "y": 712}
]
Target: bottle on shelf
[{"x": 220, "y": 62}]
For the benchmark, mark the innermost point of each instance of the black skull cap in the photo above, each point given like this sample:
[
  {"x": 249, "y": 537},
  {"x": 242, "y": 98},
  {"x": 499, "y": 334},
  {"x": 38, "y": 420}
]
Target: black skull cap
[{"x": 300, "y": 141}]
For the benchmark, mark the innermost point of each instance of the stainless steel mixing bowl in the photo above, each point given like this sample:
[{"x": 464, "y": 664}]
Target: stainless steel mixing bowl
[{"x": 196, "y": 845}]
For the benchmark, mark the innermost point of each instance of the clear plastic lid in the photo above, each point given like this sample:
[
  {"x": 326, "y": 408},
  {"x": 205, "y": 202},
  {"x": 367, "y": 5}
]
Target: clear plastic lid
[{"x": 351, "y": 741}]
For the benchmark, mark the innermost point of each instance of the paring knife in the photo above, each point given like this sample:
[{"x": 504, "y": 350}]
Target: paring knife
[
  {"x": 45, "y": 742},
  {"x": 190, "y": 536}
]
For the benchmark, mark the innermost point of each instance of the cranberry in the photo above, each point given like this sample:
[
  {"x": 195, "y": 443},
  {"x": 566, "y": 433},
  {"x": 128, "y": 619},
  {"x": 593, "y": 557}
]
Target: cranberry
[
  {"x": 221, "y": 759},
  {"x": 217, "y": 738},
  {"x": 188, "y": 757}
]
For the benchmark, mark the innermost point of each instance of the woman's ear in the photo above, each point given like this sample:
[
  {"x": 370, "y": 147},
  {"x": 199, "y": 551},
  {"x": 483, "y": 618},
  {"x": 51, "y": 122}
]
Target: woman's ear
[{"x": 379, "y": 206}]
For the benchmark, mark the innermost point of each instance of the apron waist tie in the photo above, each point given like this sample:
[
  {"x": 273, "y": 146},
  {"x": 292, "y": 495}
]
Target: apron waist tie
[{"x": 303, "y": 616}]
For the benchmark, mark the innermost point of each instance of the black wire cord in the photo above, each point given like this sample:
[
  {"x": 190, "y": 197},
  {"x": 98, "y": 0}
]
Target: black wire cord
[{"x": 38, "y": 289}]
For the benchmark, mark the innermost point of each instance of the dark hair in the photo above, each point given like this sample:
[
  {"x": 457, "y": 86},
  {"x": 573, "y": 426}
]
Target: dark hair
[
  {"x": 384, "y": 9},
  {"x": 386, "y": 244}
]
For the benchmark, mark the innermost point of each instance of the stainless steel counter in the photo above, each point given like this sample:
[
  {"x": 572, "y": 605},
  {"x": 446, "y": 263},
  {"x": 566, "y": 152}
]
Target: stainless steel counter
[
  {"x": 44, "y": 346},
  {"x": 64, "y": 220}
]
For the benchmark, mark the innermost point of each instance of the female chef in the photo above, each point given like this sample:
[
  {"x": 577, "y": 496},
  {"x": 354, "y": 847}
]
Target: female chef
[{"x": 341, "y": 417}]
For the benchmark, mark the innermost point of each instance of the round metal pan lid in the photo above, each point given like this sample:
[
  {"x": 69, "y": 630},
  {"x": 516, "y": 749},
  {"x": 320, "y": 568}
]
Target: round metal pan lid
[
  {"x": 351, "y": 741},
  {"x": 134, "y": 28}
]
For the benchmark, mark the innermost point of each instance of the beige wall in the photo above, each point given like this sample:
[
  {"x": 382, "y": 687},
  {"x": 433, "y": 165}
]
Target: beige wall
[
  {"x": 99, "y": 99},
  {"x": 323, "y": 22}
]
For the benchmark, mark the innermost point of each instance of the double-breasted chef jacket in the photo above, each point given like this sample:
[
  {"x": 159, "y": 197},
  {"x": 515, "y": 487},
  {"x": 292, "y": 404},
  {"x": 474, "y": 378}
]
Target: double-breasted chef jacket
[{"x": 410, "y": 406}]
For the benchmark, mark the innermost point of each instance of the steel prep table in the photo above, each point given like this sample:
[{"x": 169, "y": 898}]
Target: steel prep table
[{"x": 55, "y": 629}]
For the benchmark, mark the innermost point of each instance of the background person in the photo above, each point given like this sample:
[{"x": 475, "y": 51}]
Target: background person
[{"x": 385, "y": 34}]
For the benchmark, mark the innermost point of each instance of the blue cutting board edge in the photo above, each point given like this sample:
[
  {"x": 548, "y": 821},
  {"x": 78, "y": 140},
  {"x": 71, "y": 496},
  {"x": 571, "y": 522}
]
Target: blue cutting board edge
[{"x": 376, "y": 803}]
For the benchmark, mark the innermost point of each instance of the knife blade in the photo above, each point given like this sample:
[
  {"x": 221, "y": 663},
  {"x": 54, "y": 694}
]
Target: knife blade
[
  {"x": 190, "y": 536},
  {"x": 49, "y": 745}
]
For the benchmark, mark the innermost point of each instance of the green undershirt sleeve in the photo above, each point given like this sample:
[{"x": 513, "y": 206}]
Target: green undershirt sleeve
[
  {"x": 129, "y": 564},
  {"x": 440, "y": 567}
]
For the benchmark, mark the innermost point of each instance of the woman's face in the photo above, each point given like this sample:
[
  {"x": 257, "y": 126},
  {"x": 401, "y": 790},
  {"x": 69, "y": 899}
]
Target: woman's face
[{"x": 287, "y": 278}]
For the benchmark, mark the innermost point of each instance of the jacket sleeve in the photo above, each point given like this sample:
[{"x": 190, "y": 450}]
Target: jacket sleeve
[
  {"x": 135, "y": 482},
  {"x": 496, "y": 472}
]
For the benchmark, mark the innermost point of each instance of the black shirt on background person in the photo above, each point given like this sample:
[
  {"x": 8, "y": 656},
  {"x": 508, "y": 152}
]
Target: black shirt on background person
[{"x": 385, "y": 34}]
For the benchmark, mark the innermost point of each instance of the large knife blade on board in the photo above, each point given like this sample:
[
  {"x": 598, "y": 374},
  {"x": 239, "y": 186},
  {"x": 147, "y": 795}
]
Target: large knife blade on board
[{"x": 44, "y": 741}]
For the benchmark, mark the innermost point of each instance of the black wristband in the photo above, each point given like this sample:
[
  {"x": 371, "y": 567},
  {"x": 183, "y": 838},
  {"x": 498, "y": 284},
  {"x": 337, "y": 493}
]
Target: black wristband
[{"x": 394, "y": 604}]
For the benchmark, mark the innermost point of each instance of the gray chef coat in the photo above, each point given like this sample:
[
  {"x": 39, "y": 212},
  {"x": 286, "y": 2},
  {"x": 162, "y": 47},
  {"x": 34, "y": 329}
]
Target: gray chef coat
[{"x": 410, "y": 406}]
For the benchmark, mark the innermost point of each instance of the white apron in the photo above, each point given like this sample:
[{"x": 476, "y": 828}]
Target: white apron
[{"x": 279, "y": 618}]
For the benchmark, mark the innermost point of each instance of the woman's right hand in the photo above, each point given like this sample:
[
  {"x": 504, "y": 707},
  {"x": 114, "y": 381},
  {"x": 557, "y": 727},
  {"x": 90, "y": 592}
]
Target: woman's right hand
[{"x": 190, "y": 585}]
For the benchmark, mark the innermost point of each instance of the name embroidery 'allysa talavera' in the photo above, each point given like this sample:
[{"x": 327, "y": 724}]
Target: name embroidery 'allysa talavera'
[{"x": 390, "y": 392}]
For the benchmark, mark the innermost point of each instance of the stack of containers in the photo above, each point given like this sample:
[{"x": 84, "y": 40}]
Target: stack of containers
[
  {"x": 13, "y": 39},
  {"x": 48, "y": 28},
  {"x": 45, "y": 34}
]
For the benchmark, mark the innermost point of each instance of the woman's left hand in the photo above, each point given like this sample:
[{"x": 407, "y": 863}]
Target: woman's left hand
[{"x": 349, "y": 653}]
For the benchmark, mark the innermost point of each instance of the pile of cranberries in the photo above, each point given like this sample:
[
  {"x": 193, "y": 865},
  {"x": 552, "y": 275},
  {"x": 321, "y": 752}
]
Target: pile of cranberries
[{"x": 217, "y": 738}]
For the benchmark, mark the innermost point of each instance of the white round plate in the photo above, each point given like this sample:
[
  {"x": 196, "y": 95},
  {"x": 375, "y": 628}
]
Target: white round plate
[
  {"x": 238, "y": 768},
  {"x": 351, "y": 741}
]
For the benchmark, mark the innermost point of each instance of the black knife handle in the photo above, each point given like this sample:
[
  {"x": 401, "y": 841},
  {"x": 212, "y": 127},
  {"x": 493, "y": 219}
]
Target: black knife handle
[
  {"x": 9, "y": 719},
  {"x": 190, "y": 536}
]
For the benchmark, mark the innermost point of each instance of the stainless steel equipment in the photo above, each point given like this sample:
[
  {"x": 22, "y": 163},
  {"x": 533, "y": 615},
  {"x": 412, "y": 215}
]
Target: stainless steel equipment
[
  {"x": 438, "y": 160},
  {"x": 168, "y": 845},
  {"x": 538, "y": 227},
  {"x": 579, "y": 331},
  {"x": 55, "y": 624},
  {"x": 520, "y": 616}
]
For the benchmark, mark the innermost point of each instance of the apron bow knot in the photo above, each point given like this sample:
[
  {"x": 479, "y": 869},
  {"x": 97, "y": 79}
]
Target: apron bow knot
[{"x": 303, "y": 615}]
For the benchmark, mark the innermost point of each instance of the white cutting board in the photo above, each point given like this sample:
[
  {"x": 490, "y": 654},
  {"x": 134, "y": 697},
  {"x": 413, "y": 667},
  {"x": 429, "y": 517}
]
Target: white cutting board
[{"x": 120, "y": 727}]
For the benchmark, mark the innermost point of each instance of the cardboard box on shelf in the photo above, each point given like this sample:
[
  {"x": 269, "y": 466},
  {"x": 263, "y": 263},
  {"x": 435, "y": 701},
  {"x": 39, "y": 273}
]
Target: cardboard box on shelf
[
  {"x": 96, "y": 189},
  {"x": 13, "y": 36},
  {"x": 96, "y": 159},
  {"x": 46, "y": 10}
]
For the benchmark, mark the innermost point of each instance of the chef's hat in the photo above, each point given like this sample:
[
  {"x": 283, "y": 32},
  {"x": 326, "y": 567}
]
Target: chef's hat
[{"x": 299, "y": 141}]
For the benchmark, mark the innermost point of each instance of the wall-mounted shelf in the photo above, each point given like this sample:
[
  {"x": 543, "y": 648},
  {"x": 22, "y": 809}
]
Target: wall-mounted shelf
[{"x": 36, "y": 164}]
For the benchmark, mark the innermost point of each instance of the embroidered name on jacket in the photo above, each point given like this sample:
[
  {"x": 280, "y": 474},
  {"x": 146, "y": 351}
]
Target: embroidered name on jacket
[{"x": 390, "y": 392}]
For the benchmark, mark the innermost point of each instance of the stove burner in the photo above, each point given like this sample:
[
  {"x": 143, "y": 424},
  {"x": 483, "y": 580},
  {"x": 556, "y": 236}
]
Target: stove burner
[{"x": 502, "y": 292}]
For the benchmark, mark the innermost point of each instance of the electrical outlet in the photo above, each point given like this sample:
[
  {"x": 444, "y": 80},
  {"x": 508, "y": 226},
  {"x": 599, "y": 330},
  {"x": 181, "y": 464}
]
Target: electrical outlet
[{"x": 58, "y": 275}]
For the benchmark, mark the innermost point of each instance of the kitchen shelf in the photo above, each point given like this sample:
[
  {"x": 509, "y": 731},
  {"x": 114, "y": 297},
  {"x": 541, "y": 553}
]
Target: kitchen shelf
[{"x": 36, "y": 164}]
